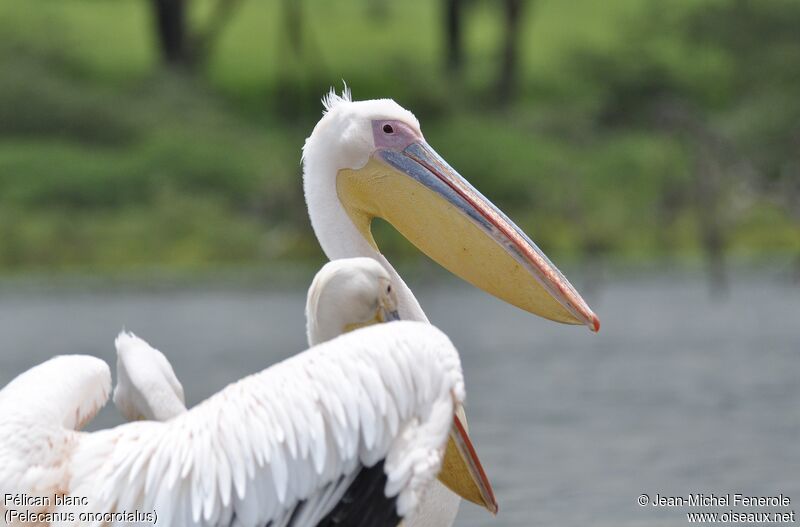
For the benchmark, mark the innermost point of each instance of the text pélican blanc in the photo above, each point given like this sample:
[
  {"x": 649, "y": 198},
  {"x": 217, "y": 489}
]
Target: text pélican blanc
[{"x": 26, "y": 500}]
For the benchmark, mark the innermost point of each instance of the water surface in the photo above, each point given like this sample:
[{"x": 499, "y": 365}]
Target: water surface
[{"x": 677, "y": 393}]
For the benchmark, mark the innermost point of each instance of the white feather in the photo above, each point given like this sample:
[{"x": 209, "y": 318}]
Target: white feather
[
  {"x": 147, "y": 387},
  {"x": 128, "y": 466}
]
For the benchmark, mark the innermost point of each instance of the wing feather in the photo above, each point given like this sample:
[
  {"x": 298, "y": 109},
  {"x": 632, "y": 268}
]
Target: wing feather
[
  {"x": 305, "y": 442},
  {"x": 40, "y": 411}
]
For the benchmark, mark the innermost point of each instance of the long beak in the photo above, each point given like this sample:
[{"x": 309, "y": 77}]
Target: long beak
[
  {"x": 436, "y": 209},
  {"x": 462, "y": 471}
]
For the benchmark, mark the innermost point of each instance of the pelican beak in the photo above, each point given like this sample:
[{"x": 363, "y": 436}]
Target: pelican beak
[
  {"x": 436, "y": 209},
  {"x": 462, "y": 471},
  {"x": 383, "y": 314},
  {"x": 388, "y": 315}
]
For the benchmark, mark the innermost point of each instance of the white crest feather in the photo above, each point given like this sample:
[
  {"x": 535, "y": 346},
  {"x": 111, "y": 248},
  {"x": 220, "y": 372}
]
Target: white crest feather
[{"x": 332, "y": 99}]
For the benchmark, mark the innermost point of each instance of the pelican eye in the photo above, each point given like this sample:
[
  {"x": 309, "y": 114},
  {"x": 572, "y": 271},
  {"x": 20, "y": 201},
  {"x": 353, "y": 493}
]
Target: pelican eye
[
  {"x": 387, "y": 128},
  {"x": 388, "y": 288}
]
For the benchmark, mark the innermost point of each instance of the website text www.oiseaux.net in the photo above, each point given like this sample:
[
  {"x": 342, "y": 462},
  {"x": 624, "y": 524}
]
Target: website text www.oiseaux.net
[{"x": 751, "y": 509}]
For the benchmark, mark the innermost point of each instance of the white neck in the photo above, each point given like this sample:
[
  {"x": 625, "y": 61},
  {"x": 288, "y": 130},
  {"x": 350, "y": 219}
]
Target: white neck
[{"x": 340, "y": 238}]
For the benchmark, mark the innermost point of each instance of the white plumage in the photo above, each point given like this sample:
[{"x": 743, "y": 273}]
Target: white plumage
[
  {"x": 147, "y": 387},
  {"x": 228, "y": 461}
]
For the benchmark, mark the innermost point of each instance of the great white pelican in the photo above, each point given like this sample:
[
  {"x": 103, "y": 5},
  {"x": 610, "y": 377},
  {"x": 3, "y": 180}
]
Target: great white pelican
[{"x": 369, "y": 159}]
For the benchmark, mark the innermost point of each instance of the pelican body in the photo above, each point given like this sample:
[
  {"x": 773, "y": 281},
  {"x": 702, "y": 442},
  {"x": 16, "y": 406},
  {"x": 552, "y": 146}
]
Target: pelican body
[
  {"x": 287, "y": 446},
  {"x": 369, "y": 159}
]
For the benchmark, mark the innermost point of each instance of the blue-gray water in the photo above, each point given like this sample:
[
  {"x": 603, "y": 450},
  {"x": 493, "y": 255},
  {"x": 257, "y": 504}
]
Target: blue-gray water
[{"x": 676, "y": 394}]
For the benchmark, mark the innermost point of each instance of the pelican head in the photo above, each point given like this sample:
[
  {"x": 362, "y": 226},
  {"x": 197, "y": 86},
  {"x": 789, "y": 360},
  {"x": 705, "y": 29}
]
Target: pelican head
[
  {"x": 372, "y": 156},
  {"x": 147, "y": 387},
  {"x": 348, "y": 294}
]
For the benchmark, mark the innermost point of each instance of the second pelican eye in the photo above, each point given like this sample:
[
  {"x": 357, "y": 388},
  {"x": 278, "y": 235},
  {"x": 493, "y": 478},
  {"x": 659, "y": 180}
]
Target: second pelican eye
[{"x": 387, "y": 128}]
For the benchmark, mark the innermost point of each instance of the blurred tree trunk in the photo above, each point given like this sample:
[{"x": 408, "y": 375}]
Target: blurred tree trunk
[
  {"x": 509, "y": 59},
  {"x": 791, "y": 193},
  {"x": 708, "y": 187},
  {"x": 672, "y": 199},
  {"x": 170, "y": 21},
  {"x": 204, "y": 41},
  {"x": 179, "y": 46},
  {"x": 454, "y": 46},
  {"x": 293, "y": 23},
  {"x": 297, "y": 84},
  {"x": 714, "y": 162},
  {"x": 378, "y": 9}
]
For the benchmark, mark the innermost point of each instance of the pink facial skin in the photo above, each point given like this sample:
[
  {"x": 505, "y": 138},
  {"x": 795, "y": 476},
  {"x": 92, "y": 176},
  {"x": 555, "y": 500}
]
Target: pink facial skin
[{"x": 394, "y": 135}]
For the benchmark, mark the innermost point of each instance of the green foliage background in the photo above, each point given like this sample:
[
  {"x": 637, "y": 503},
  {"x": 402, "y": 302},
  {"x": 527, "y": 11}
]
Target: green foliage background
[{"x": 109, "y": 162}]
